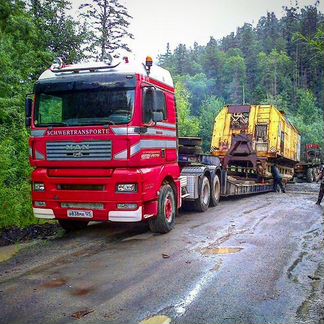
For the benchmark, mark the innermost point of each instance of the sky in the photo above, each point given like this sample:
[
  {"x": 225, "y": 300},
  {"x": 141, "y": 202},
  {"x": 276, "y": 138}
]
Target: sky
[{"x": 157, "y": 22}]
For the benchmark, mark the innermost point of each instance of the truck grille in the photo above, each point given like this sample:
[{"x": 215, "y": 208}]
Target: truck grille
[{"x": 81, "y": 151}]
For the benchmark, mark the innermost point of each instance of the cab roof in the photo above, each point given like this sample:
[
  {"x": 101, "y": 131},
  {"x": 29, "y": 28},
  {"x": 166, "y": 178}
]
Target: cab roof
[{"x": 156, "y": 72}]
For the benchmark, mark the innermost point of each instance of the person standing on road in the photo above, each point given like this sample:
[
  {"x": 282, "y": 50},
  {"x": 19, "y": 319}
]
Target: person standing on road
[
  {"x": 321, "y": 192},
  {"x": 277, "y": 178}
]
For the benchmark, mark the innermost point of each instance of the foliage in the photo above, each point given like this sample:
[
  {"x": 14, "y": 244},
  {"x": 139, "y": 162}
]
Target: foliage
[
  {"x": 308, "y": 119},
  {"x": 61, "y": 34},
  {"x": 188, "y": 125},
  {"x": 209, "y": 110}
]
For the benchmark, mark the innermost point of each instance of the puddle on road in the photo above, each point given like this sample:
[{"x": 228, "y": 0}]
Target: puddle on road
[
  {"x": 230, "y": 250},
  {"x": 159, "y": 319}
]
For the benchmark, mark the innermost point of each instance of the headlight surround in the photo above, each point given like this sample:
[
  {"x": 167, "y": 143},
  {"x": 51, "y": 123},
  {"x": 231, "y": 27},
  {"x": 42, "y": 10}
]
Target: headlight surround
[
  {"x": 126, "y": 187},
  {"x": 38, "y": 187}
]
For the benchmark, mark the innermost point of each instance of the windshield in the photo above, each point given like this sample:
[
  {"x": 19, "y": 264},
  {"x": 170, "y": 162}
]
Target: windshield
[{"x": 84, "y": 107}]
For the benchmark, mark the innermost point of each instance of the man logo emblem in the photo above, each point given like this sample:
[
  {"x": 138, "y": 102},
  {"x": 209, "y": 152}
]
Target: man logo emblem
[
  {"x": 77, "y": 150},
  {"x": 77, "y": 147}
]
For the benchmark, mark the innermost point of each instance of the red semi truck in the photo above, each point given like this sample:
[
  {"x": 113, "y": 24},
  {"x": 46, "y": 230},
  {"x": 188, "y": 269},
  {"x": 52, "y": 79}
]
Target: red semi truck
[{"x": 104, "y": 147}]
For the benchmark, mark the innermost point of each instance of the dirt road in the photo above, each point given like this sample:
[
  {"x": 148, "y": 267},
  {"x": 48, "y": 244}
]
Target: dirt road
[{"x": 257, "y": 259}]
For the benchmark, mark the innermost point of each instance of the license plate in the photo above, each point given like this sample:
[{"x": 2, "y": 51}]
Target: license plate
[{"x": 80, "y": 213}]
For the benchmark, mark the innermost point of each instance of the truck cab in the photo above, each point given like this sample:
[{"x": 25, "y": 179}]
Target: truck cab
[{"x": 103, "y": 144}]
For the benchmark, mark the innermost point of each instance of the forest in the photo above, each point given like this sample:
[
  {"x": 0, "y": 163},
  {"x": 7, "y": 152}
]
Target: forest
[{"x": 276, "y": 61}]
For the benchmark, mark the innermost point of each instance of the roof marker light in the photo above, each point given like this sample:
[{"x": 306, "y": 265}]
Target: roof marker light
[{"x": 148, "y": 64}]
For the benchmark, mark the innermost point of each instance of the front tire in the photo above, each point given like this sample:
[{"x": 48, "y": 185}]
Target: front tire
[
  {"x": 69, "y": 225},
  {"x": 165, "y": 220},
  {"x": 202, "y": 203}
]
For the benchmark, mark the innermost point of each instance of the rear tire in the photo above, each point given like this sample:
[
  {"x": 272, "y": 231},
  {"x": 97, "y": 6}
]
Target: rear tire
[
  {"x": 202, "y": 203},
  {"x": 165, "y": 220},
  {"x": 72, "y": 225},
  {"x": 309, "y": 175},
  {"x": 215, "y": 192}
]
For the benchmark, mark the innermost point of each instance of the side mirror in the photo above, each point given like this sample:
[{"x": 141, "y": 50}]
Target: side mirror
[
  {"x": 28, "y": 107},
  {"x": 157, "y": 116}
]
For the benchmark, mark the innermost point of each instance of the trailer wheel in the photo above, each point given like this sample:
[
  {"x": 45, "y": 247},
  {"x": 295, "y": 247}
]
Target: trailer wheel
[
  {"x": 215, "y": 192},
  {"x": 72, "y": 225},
  {"x": 165, "y": 220},
  {"x": 309, "y": 175},
  {"x": 202, "y": 203}
]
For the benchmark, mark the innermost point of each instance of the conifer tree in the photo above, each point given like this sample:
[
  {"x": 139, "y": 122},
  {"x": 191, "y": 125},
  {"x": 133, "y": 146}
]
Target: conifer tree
[{"x": 108, "y": 22}]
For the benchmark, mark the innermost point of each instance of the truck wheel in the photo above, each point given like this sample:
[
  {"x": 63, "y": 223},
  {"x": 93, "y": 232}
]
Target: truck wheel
[
  {"x": 314, "y": 174},
  {"x": 215, "y": 192},
  {"x": 202, "y": 203},
  {"x": 72, "y": 225},
  {"x": 309, "y": 175},
  {"x": 165, "y": 220}
]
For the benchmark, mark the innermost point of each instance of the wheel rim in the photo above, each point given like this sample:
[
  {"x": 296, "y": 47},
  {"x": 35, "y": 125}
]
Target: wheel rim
[
  {"x": 206, "y": 194},
  {"x": 168, "y": 209},
  {"x": 217, "y": 189}
]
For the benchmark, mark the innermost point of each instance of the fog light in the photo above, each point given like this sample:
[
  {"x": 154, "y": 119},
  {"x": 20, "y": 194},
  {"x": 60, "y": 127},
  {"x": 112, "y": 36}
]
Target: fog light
[
  {"x": 40, "y": 204},
  {"x": 40, "y": 187},
  {"x": 127, "y": 206},
  {"x": 126, "y": 187}
]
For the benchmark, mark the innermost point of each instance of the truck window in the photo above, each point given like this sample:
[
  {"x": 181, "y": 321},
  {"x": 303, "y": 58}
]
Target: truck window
[
  {"x": 148, "y": 104},
  {"x": 161, "y": 104}
]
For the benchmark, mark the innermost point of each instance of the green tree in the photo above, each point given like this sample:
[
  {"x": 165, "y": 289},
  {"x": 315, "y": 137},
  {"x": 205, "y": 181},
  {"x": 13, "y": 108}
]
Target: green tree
[
  {"x": 188, "y": 125},
  {"x": 275, "y": 73},
  {"x": 308, "y": 119},
  {"x": 21, "y": 59},
  {"x": 108, "y": 22},
  {"x": 235, "y": 78},
  {"x": 209, "y": 110},
  {"x": 61, "y": 34}
]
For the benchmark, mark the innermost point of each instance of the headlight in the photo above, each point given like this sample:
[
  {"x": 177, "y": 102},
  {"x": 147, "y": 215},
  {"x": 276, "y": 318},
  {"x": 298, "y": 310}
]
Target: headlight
[
  {"x": 127, "y": 187},
  {"x": 40, "y": 187}
]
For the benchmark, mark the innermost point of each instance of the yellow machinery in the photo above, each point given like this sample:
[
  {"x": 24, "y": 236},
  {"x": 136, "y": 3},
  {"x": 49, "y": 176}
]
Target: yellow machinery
[{"x": 255, "y": 137}]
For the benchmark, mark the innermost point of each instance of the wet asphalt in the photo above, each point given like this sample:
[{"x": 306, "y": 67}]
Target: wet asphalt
[{"x": 256, "y": 259}]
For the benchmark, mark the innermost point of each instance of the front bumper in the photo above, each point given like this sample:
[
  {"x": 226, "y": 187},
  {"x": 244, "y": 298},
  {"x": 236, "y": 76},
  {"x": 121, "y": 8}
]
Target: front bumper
[{"x": 107, "y": 198}]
